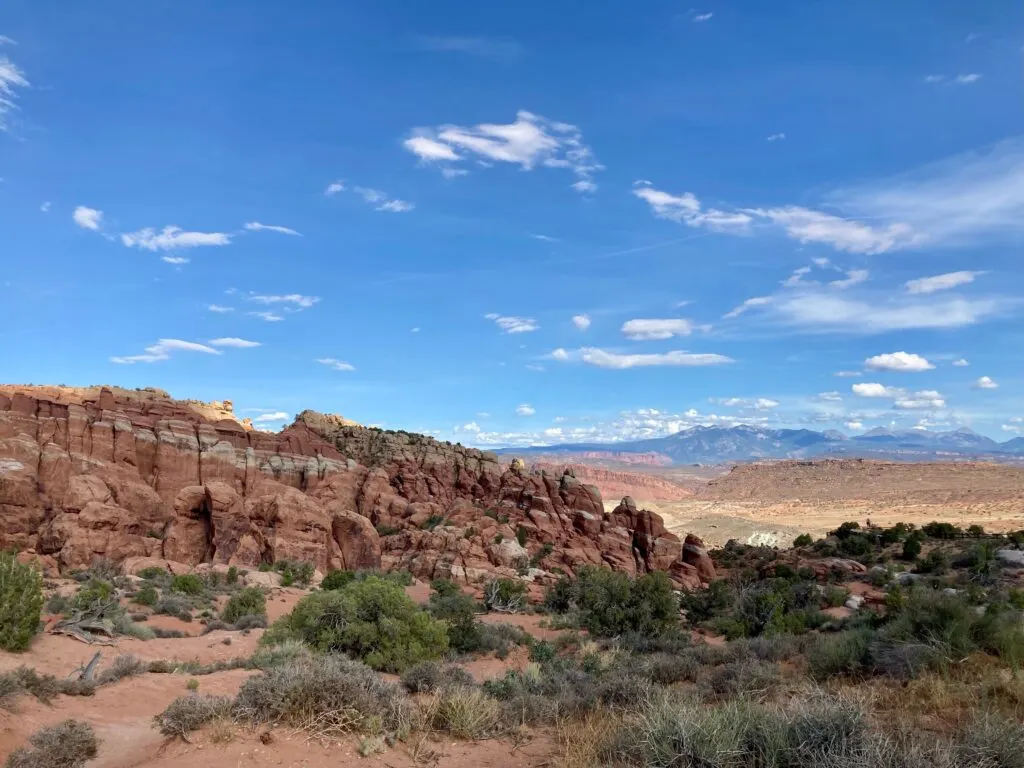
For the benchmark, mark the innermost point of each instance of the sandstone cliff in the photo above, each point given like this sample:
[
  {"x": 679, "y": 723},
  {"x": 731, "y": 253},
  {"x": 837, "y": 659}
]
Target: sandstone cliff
[{"x": 126, "y": 474}]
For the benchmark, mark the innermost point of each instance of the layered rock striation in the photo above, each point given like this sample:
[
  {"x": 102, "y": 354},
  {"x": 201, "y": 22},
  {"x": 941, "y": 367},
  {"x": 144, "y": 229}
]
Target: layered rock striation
[{"x": 106, "y": 472}]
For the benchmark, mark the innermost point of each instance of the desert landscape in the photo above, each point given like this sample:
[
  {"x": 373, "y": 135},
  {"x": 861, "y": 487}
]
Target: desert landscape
[{"x": 181, "y": 587}]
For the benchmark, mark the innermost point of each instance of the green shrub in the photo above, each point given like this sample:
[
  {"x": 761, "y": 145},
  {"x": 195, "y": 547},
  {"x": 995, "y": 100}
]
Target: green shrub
[
  {"x": 467, "y": 713},
  {"x": 803, "y": 540},
  {"x": 700, "y": 605},
  {"x": 896, "y": 533},
  {"x": 610, "y": 603},
  {"x": 541, "y": 554},
  {"x": 911, "y": 549},
  {"x": 846, "y": 653},
  {"x": 69, "y": 744},
  {"x": 153, "y": 573},
  {"x": 934, "y": 562},
  {"x": 386, "y": 530},
  {"x": 521, "y": 535},
  {"x": 147, "y": 596},
  {"x": 231, "y": 578},
  {"x": 294, "y": 572},
  {"x": 941, "y": 531},
  {"x": 21, "y": 603},
  {"x": 337, "y": 579},
  {"x": 450, "y": 604},
  {"x": 249, "y": 601},
  {"x": 372, "y": 619},
  {"x": 505, "y": 595},
  {"x": 188, "y": 584},
  {"x": 174, "y": 605},
  {"x": 434, "y": 676}
]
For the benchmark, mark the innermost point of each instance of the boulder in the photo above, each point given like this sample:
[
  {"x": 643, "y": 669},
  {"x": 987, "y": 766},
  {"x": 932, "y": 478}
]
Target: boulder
[{"x": 695, "y": 554}]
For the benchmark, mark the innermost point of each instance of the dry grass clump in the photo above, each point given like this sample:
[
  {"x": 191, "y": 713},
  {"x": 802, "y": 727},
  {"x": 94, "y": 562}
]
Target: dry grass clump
[
  {"x": 435, "y": 676},
  {"x": 467, "y": 713},
  {"x": 69, "y": 744},
  {"x": 187, "y": 713}
]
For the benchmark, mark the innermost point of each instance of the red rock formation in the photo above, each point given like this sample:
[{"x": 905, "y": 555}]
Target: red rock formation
[
  {"x": 134, "y": 474},
  {"x": 617, "y": 483}
]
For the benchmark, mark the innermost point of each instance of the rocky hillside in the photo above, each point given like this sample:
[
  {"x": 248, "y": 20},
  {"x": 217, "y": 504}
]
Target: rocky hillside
[
  {"x": 616, "y": 483},
  {"x": 135, "y": 474}
]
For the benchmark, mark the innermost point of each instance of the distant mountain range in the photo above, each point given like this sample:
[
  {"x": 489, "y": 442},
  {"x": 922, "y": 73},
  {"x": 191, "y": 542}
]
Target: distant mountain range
[{"x": 712, "y": 445}]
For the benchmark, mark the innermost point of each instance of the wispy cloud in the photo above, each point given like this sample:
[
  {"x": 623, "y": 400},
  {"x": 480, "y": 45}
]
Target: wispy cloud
[
  {"x": 525, "y": 409},
  {"x": 232, "y": 341},
  {"x": 967, "y": 79},
  {"x": 511, "y": 324},
  {"x": 380, "y": 200},
  {"x": 686, "y": 209},
  {"x": 172, "y": 238},
  {"x": 496, "y": 49},
  {"x": 944, "y": 282},
  {"x": 810, "y": 226},
  {"x": 12, "y": 79},
  {"x": 162, "y": 351},
  {"x": 776, "y": 137},
  {"x": 220, "y": 308},
  {"x": 605, "y": 359},
  {"x": 270, "y": 317},
  {"x": 336, "y": 365},
  {"x": 655, "y": 329},
  {"x": 175, "y": 260},
  {"x": 334, "y": 188},
  {"x": 297, "y": 299},
  {"x": 271, "y": 417},
  {"x": 756, "y": 301},
  {"x": 45, "y": 207},
  {"x": 531, "y": 141},
  {"x": 88, "y": 218},
  {"x": 255, "y": 226},
  {"x": 702, "y": 17}
]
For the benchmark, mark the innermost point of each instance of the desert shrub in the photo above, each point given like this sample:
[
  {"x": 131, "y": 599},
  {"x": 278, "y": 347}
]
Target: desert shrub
[
  {"x": 542, "y": 651},
  {"x": 169, "y": 633},
  {"x": 188, "y": 584},
  {"x": 251, "y": 621},
  {"x": 59, "y": 604},
  {"x": 174, "y": 605},
  {"x": 215, "y": 624},
  {"x": 702, "y": 604},
  {"x": 466, "y": 713},
  {"x": 803, "y": 540},
  {"x": 671, "y": 641},
  {"x": 147, "y": 596},
  {"x": 372, "y": 619},
  {"x": 68, "y": 744},
  {"x": 158, "y": 575},
  {"x": 896, "y": 533},
  {"x": 835, "y": 596},
  {"x": 846, "y": 653},
  {"x": 506, "y": 595},
  {"x": 935, "y": 530},
  {"x": 500, "y": 638},
  {"x": 295, "y": 693},
  {"x": 95, "y": 596},
  {"x": 231, "y": 577},
  {"x": 669, "y": 668},
  {"x": 739, "y": 678},
  {"x": 294, "y": 572},
  {"x": 433, "y": 676},
  {"x": 542, "y": 694},
  {"x": 539, "y": 556},
  {"x": 249, "y": 601},
  {"x": 911, "y": 549},
  {"x": 383, "y": 529},
  {"x": 21, "y": 602},
  {"x": 450, "y": 604},
  {"x": 187, "y": 713},
  {"x": 992, "y": 742},
  {"x": 123, "y": 666},
  {"x": 521, "y": 535},
  {"x": 337, "y": 579},
  {"x": 26, "y": 680},
  {"x": 609, "y": 603}
]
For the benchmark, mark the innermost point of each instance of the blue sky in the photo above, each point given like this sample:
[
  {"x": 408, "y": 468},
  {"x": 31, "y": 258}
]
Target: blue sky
[{"x": 523, "y": 226}]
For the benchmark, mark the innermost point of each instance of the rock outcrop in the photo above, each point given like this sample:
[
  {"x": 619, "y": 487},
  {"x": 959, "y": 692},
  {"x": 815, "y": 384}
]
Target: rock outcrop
[{"x": 135, "y": 474}]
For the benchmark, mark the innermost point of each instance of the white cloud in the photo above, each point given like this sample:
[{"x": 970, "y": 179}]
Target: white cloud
[
  {"x": 472, "y": 426},
  {"x": 525, "y": 409},
  {"x": 172, "y": 238},
  {"x": 759, "y": 404},
  {"x": 270, "y": 317},
  {"x": 395, "y": 206},
  {"x": 1015, "y": 429},
  {"x": 334, "y": 188},
  {"x": 88, "y": 218},
  {"x": 855, "y": 426},
  {"x": 553, "y": 432},
  {"x": 848, "y": 374},
  {"x": 686, "y": 209},
  {"x": 530, "y": 142},
  {"x": 175, "y": 259},
  {"x": 232, "y": 341},
  {"x": 605, "y": 359},
  {"x": 853, "y": 277},
  {"x": 581, "y": 321},
  {"x": 765, "y": 404},
  {"x": 967, "y": 79},
  {"x": 560, "y": 354},
  {"x": 414, "y": 330},
  {"x": 934, "y": 78},
  {"x": 898, "y": 361},
  {"x": 809, "y": 226},
  {"x": 924, "y": 285},
  {"x": 275, "y": 416},
  {"x": 757, "y": 301},
  {"x": 255, "y": 226},
  {"x": 927, "y": 398},
  {"x": 498, "y": 49},
  {"x": 291, "y": 298},
  {"x": 513, "y": 324},
  {"x": 645, "y": 330},
  {"x": 872, "y": 389},
  {"x": 985, "y": 383},
  {"x": 560, "y": 419},
  {"x": 162, "y": 351},
  {"x": 961, "y": 363},
  {"x": 381, "y": 202},
  {"x": 220, "y": 309},
  {"x": 830, "y": 397},
  {"x": 11, "y": 79},
  {"x": 335, "y": 364},
  {"x": 702, "y": 17},
  {"x": 45, "y": 207},
  {"x": 776, "y": 137}
]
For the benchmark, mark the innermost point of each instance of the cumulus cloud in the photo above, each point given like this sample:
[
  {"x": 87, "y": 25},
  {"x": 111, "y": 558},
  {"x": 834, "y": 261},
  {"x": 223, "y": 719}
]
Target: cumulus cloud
[
  {"x": 645, "y": 330},
  {"x": 88, "y": 218},
  {"x": 854, "y": 426},
  {"x": 220, "y": 309},
  {"x": 581, "y": 321},
  {"x": 985, "y": 382},
  {"x": 270, "y": 417},
  {"x": 560, "y": 354},
  {"x": 255, "y": 226},
  {"x": 898, "y": 361},
  {"x": 872, "y": 389},
  {"x": 334, "y": 188},
  {"x": 172, "y": 238},
  {"x": 510, "y": 324},
  {"x": 605, "y": 359},
  {"x": 923, "y": 285},
  {"x": 926, "y": 398},
  {"x": 175, "y": 259},
  {"x": 530, "y": 142},
  {"x": 233, "y": 341},
  {"x": 471, "y": 426},
  {"x": 961, "y": 363},
  {"x": 335, "y": 365},
  {"x": 162, "y": 351},
  {"x": 525, "y": 409}
]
